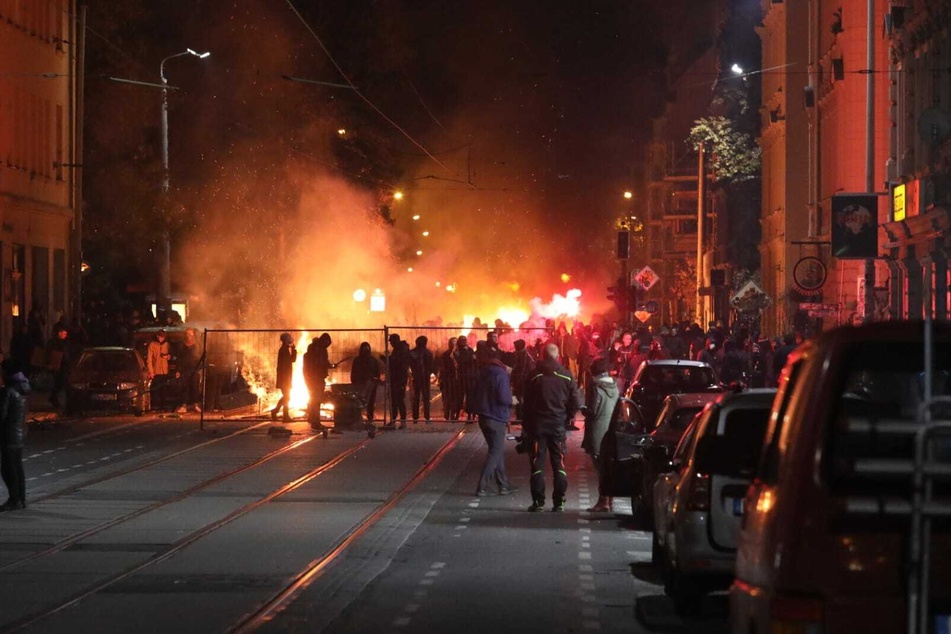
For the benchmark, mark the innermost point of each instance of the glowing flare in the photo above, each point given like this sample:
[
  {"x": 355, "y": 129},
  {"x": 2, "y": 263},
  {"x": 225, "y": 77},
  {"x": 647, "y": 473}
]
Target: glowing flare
[
  {"x": 359, "y": 295},
  {"x": 513, "y": 316},
  {"x": 565, "y": 278},
  {"x": 299, "y": 394}
]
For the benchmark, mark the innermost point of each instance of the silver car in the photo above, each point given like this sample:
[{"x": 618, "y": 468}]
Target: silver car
[{"x": 698, "y": 504}]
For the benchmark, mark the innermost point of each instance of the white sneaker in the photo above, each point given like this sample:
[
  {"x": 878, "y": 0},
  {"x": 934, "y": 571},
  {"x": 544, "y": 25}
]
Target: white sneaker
[
  {"x": 181, "y": 410},
  {"x": 197, "y": 408}
]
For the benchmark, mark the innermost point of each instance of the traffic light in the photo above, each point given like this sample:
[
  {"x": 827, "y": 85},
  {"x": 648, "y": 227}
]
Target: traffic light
[
  {"x": 632, "y": 296},
  {"x": 623, "y": 244}
]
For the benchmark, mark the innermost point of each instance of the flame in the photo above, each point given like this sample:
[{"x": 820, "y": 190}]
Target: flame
[
  {"x": 513, "y": 316},
  {"x": 299, "y": 394},
  {"x": 568, "y": 305}
]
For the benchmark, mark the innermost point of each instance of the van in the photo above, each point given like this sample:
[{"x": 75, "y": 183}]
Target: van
[{"x": 826, "y": 542}]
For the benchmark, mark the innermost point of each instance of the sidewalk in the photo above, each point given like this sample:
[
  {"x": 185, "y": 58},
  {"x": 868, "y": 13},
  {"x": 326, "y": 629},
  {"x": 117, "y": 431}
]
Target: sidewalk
[{"x": 39, "y": 409}]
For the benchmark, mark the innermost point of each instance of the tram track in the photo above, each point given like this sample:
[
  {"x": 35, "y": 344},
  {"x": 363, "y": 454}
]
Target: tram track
[
  {"x": 286, "y": 595},
  {"x": 139, "y": 467},
  {"x": 182, "y": 543},
  {"x": 78, "y": 537}
]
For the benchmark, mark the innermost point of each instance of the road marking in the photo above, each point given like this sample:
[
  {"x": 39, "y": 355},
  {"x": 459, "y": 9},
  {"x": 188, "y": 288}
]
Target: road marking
[
  {"x": 473, "y": 505},
  {"x": 420, "y": 594},
  {"x": 590, "y": 612},
  {"x": 439, "y": 564},
  {"x": 584, "y": 555},
  {"x": 432, "y": 573},
  {"x": 402, "y": 621},
  {"x": 427, "y": 582},
  {"x": 464, "y": 519},
  {"x": 461, "y": 527},
  {"x": 411, "y": 607},
  {"x": 582, "y": 520},
  {"x": 585, "y": 530},
  {"x": 588, "y": 598},
  {"x": 592, "y": 625},
  {"x": 586, "y": 577},
  {"x": 585, "y": 568}
]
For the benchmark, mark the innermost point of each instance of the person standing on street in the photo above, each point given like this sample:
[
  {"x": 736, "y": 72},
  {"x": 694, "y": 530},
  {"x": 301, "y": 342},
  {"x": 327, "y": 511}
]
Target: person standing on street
[
  {"x": 466, "y": 366},
  {"x": 398, "y": 374},
  {"x": 365, "y": 376},
  {"x": 59, "y": 357},
  {"x": 12, "y": 432},
  {"x": 491, "y": 401},
  {"x": 447, "y": 382},
  {"x": 600, "y": 401},
  {"x": 523, "y": 366},
  {"x": 286, "y": 357},
  {"x": 157, "y": 363},
  {"x": 421, "y": 364},
  {"x": 317, "y": 368},
  {"x": 551, "y": 401}
]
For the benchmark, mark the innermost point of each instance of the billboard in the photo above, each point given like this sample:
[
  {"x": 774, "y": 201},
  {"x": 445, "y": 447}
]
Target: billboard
[{"x": 855, "y": 226}]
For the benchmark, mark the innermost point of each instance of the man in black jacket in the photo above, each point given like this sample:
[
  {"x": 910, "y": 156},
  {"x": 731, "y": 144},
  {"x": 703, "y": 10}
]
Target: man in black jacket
[
  {"x": 398, "y": 375},
  {"x": 422, "y": 365},
  {"x": 551, "y": 402},
  {"x": 317, "y": 368},
  {"x": 12, "y": 432}
]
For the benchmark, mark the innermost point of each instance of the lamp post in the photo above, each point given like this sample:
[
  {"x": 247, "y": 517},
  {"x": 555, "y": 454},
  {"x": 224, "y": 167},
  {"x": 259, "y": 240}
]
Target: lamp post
[{"x": 165, "y": 273}]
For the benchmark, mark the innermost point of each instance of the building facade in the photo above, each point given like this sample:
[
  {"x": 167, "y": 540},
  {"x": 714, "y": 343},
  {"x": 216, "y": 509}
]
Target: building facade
[
  {"x": 815, "y": 147},
  {"x": 38, "y": 159}
]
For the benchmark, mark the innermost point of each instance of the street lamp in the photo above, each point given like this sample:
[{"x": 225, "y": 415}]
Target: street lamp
[
  {"x": 628, "y": 195},
  {"x": 165, "y": 276},
  {"x": 737, "y": 69}
]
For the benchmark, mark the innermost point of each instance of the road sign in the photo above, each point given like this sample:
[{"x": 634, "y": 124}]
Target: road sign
[
  {"x": 751, "y": 298},
  {"x": 651, "y": 307},
  {"x": 646, "y": 278},
  {"x": 642, "y": 315}
]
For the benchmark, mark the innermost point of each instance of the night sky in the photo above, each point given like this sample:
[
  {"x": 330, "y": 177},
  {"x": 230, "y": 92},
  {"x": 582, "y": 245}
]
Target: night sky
[{"x": 537, "y": 113}]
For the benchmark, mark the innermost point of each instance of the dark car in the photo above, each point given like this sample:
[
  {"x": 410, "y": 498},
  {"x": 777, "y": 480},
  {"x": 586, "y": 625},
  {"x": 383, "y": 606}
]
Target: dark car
[
  {"x": 656, "y": 380},
  {"x": 633, "y": 450},
  {"x": 675, "y": 416},
  {"x": 109, "y": 378}
]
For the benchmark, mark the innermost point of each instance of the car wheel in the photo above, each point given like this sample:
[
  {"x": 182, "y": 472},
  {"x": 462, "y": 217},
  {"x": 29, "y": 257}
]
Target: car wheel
[
  {"x": 657, "y": 553},
  {"x": 684, "y": 591}
]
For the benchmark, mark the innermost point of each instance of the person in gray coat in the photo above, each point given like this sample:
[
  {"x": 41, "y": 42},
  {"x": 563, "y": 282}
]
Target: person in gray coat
[
  {"x": 600, "y": 401},
  {"x": 12, "y": 432}
]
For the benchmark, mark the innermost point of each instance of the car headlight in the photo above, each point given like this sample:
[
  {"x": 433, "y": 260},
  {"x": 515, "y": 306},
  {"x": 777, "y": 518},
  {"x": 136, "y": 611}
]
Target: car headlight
[{"x": 127, "y": 386}]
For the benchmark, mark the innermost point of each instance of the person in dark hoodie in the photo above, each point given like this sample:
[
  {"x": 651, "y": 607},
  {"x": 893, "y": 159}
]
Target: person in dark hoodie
[
  {"x": 551, "y": 402},
  {"x": 491, "y": 401},
  {"x": 521, "y": 370},
  {"x": 365, "y": 376},
  {"x": 398, "y": 372},
  {"x": 600, "y": 401},
  {"x": 12, "y": 432},
  {"x": 422, "y": 365},
  {"x": 286, "y": 357},
  {"x": 447, "y": 382},
  {"x": 317, "y": 367}
]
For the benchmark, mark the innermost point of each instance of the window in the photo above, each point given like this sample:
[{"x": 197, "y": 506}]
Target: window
[
  {"x": 40, "y": 277},
  {"x": 59, "y": 280},
  {"x": 769, "y": 466}
]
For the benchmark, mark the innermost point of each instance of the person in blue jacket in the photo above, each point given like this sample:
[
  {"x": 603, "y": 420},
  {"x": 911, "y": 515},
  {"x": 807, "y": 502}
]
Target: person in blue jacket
[{"x": 492, "y": 402}]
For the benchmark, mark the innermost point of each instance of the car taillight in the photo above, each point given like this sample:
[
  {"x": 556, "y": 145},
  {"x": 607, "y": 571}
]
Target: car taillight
[
  {"x": 698, "y": 493},
  {"x": 796, "y": 615}
]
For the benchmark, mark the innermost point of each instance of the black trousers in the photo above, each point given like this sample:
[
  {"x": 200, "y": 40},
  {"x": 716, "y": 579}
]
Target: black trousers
[
  {"x": 493, "y": 471},
  {"x": 551, "y": 444},
  {"x": 11, "y": 469},
  {"x": 421, "y": 392},
  {"x": 398, "y": 400},
  {"x": 284, "y": 402}
]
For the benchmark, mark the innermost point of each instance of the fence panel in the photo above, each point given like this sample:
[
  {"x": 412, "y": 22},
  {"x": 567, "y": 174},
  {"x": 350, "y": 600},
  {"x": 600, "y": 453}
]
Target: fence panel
[{"x": 240, "y": 368}]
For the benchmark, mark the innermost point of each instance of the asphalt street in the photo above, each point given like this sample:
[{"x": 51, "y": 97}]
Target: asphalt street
[{"x": 152, "y": 525}]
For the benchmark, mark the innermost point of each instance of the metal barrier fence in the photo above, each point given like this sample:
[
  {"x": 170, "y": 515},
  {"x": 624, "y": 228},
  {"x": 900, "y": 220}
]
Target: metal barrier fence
[{"x": 239, "y": 368}]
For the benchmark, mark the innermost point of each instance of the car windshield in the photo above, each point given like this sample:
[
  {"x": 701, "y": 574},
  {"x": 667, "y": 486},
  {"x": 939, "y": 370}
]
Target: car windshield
[
  {"x": 682, "y": 378},
  {"x": 112, "y": 362},
  {"x": 678, "y": 421}
]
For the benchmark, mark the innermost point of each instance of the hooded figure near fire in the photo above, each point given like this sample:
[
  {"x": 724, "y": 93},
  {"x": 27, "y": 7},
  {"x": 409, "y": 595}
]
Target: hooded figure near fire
[{"x": 317, "y": 367}]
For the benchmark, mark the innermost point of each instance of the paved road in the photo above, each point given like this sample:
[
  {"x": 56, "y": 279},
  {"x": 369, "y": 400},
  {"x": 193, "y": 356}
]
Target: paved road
[{"x": 150, "y": 525}]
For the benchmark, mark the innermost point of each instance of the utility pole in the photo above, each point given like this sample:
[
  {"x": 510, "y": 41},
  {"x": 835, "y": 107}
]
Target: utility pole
[
  {"x": 701, "y": 208},
  {"x": 870, "y": 151},
  {"x": 79, "y": 80}
]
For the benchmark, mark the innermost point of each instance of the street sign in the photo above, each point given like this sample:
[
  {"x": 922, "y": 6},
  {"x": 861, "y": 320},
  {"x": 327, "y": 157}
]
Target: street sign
[
  {"x": 751, "y": 298},
  {"x": 642, "y": 315},
  {"x": 651, "y": 307},
  {"x": 646, "y": 278}
]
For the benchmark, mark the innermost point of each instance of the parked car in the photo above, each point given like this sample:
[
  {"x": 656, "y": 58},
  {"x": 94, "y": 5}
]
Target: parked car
[
  {"x": 658, "y": 446},
  {"x": 109, "y": 378},
  {"x": 699, "y": 501},
  {"x": 656, "y": 380},
  {"x": 633, "y": 449},
  {"x": 826, "y": 542}
]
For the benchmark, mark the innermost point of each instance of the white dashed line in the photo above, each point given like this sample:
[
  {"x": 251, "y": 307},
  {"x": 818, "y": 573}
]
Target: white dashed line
[
  {"x": 585, "y": 568},
  {"x": 473, "y": 505},
  {"x": 432, "y": 573},
  {"x": 427, "y": 582},
  {"x": 464, "y": 519},
  {"x": 402, "y": 621},
  {"x": 438, "y": 565},
  {"x": 592, "y": 625},
  {"x": 461, "y": 527},
  {"x": 584, "y": 555},
  {"x": 590, "y": 612},
  {"x": 411, "y": 607}
]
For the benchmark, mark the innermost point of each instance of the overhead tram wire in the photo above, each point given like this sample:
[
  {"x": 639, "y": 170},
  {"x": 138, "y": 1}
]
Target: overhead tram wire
[{"x": 360, "y": 94}]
